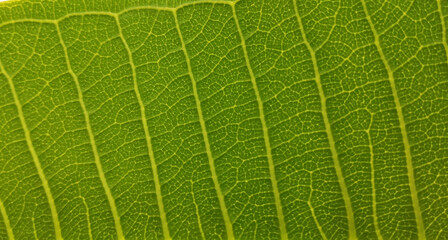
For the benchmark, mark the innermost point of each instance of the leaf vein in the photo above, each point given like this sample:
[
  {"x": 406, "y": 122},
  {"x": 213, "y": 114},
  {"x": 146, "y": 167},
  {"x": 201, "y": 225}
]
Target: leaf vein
[
  {"x": 334, "y": 154},
  {"x": 6, "y": 221},
  {"x": 98, "y": 164},
  {"x": 34, "y": 155},
  {"x": 157, "y": 184},
  {"x": 444, "y": 37},
  {"x": 222, "y": 204},
  {"x": 407, "y": 147},
  {"x": 278, "y": 205}
]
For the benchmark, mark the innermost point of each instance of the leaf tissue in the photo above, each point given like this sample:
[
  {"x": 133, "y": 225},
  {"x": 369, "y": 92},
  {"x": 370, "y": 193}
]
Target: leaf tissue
[{"x": 216, "y": 119}]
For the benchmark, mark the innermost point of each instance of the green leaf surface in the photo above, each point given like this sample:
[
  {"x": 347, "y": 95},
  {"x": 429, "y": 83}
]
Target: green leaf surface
[{"x": 254, "y": 119}]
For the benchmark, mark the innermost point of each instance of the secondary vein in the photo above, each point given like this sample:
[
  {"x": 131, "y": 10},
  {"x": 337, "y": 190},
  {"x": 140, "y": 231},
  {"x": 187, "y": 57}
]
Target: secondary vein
[
  {"x": 407, "y": 146},
  {"x": 222, "y": 204},
  {"x": 89, "y": 225},
  {"x": 152, "y": 159},
  {"x": 372, "y": 180},
  {"x": 104, "y": 183},
  {"x": 278, "y": 204},
  {"x": 40, "y": 171},
  {"x": 6, "y": 221},
  {"x": 337, "y": 164},
  {"x": 444, "y": 37},
  {"x": 322, "y": 234}
]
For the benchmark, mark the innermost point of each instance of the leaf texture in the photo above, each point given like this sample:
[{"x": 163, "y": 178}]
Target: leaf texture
[{"x": 249, "y": 119}]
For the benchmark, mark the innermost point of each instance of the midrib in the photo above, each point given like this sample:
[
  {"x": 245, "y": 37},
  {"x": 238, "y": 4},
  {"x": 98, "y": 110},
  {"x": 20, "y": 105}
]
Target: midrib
[
  {"x": 107, "y": 190},
  {"x": 337, "y": 164},
  {"x": 407, "y": 148},
  {"x": 40, "y": 171},
  {"x": 278, "y": 204}
]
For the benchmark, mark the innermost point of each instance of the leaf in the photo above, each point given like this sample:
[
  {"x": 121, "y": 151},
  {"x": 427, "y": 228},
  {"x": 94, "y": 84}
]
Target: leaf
[{"x": 213, "y": 119}]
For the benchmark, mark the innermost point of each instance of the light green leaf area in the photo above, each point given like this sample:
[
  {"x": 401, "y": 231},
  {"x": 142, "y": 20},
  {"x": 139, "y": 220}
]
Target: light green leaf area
[{"x": 249, "y": 119}]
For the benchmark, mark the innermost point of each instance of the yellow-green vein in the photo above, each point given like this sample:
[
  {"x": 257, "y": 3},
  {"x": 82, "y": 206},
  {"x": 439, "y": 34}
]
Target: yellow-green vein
[
  {"x": 372, "y": 180},
  {"x": 337, "y": 164},
  {"x": 113, "y": 14},
  {"x": 222, "y": 204},
  {"x": 407, "y": 147},
  {"x": 152, "y": 159},
  {"x": 34, "y": 228},
  {"x": 40, "y": 171},
  {"x": 107, "y": 190},
  {"x": 314, "y": 215},
  {"x": 89, "y": 225},
  {"x": 6, "y": 221},
  {"x": 196, "y": 207},
  {"x": 278, "y": 204},
  {"x": 444, "y": 37}
]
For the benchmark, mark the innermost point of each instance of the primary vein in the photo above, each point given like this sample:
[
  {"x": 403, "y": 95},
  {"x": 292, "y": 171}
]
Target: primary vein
[
  {"x": 222, "y": 204},
  {"x": 40, "y": 171},
  {"x": 337, "y": 164},
  {"x": 106, "y": 187},
  {"x": 407, "y": 147},
  {"x": 152, "y": 159},
  {"x": 278, "y": 204}
]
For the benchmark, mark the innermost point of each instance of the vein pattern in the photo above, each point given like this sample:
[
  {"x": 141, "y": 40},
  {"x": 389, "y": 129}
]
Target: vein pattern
[
  {"x": 278, "y": 204},
  {"x": 227, "y": 221},
  {"x": 166, "y": 232},
  {"x": 407, "y": 148},
  {"x": 110, "y": 198},
  {"x": 36, "y": 161},
  {"x": 5, "y": 219},
  {"x": 216, "y": 119},
  {"x": 337, "y": 165}
]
